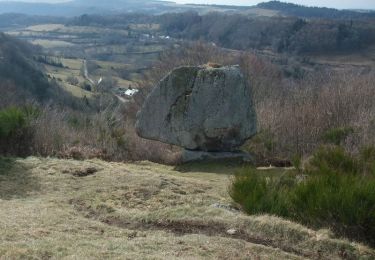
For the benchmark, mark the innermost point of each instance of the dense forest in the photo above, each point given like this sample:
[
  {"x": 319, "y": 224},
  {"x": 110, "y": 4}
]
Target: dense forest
[
  {"x": 294, "y": 35},
  {"x": 314, "y": 12}
]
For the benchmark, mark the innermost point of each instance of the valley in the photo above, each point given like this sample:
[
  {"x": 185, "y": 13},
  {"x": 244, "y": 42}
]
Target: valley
[
  {"x": 103, "y": 103},
  {"x": 117, "y": 56}
]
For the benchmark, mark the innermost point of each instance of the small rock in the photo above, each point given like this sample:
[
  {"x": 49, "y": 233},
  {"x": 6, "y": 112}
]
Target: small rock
[
  {"x": 231, "y": 232},
  {"x": 132, "y": 235},
  {"x": 226, "y": 207}
]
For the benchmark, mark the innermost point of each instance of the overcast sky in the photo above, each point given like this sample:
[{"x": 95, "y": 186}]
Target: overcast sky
[{"x": 340, "y": 4}]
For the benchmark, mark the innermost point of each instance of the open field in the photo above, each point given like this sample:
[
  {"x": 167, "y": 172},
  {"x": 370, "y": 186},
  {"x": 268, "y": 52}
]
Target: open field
[
  {"x": 45, "y": 27},
  {"x": 261, "y": 12},
  {"x": 69, "y": 209},
  {"x": 49, "y": 44},
  {"x": 77, "y": 91},
  {"x": 148, "y": 27},
  {"x": 61, "y": 75},
  {"x": 62, "y": 29}
]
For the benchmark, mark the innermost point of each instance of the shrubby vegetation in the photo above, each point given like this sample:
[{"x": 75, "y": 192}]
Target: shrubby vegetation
[
  {"x": 15, "y": 129},
  {"x": 336, "y": 190},
  {"x": 80, "y": 129}
]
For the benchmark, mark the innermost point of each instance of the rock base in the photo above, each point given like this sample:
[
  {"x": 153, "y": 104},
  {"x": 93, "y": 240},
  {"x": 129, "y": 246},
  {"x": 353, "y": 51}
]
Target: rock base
[{"x": 196, "y": 156}]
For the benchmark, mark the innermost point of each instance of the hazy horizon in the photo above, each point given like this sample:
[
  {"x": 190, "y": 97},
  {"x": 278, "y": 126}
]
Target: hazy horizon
[{"x": 339, "y": 4}]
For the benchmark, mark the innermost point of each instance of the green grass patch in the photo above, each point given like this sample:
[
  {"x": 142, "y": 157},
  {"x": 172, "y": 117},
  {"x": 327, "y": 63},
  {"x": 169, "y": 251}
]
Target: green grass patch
[
  {"x": 337, "y": 135},
  {"x": 335, "y": 191}
]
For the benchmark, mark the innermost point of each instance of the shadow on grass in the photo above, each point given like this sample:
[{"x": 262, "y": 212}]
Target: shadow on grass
[
  {"x": 16, "y": 181},
  {"x": 229, "y": 166}
]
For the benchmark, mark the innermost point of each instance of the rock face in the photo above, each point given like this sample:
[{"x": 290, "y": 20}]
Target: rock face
[{"x": 199, "y": 108}]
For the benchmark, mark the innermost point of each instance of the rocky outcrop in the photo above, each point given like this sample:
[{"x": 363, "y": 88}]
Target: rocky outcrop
[{"x": 200, "y": 108}]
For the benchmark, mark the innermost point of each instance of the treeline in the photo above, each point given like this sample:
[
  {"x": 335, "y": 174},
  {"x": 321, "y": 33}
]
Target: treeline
[
  {"x": 314, "y": 12},
  {"x": 281, "y": 34},
  {"x": 112, "y": 21},
  {"x": 13, "y": 20}
]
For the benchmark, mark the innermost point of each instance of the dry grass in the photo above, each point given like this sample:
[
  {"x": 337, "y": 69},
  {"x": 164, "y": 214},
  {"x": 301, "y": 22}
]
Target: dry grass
[
  {"x": 138, "y": 211},
  {"x": 152, "y": 27},
  {"x": 50, "y": 44},
  {"x": 77, "y": 91},
  {"x": 61, "y": 75},
  {"x": 73, "y": 64},
  {"x": 262, "y": 12},
  {"x": 62, "y": 29}
]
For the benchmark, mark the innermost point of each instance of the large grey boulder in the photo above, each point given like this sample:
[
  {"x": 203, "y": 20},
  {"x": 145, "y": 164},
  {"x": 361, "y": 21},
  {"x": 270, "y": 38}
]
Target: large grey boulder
[{"x": 200, "y": 108}]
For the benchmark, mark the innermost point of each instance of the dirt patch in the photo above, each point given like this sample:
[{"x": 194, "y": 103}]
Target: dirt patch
[
  {"x": 84, "y": 172},
  {"x": 184, "y": 227}
]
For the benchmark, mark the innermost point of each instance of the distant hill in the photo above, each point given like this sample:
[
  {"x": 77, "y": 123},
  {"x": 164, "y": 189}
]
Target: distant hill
[
  {"x": 60, "y": 9},
  {"x": 155, "y": 7},
  {"x": 13, "y": 20},
  {"x": 290, "y": 9},
  {"x": 79, "y": 7}
]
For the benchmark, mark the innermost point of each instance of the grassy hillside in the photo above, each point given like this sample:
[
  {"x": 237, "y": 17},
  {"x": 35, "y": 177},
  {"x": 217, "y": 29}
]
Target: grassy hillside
[
  {"x": 92, "y": 209},
  {"x": 18, "y": 68}
]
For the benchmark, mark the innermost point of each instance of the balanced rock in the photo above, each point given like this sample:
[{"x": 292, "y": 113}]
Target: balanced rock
[{"x": 200, "y": 108}]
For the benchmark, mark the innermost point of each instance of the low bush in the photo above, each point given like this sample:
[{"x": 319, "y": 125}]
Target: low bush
[
  {"x": 12, "y": 120},
  {"x": 367, "y": 160},
  {"x": 337, "y": 136},
  {"x": 328, "y": 159},
  {"x": 15, "y": 134},
  {"x": 332, "y": 192}
]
